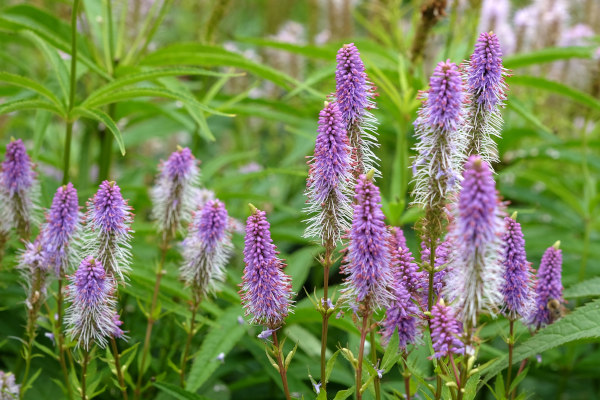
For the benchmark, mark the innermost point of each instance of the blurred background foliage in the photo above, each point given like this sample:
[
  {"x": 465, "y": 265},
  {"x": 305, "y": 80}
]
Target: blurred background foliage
[{"x": 241, "y": 82}]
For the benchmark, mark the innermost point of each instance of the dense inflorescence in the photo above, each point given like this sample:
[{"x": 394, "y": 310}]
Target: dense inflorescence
[
  {"x": 328, "y": 187},
  {"x": 548, "y": 289},
  {"x": 108, "y": 230},
  {"x": 206, "y": 249},
  {"x": 475, "y": 275},
  {"x": 400, "y": 315},
  {"x": 367, "y": 260},
  {"x": 445, "y": 330},
  {"x": 266, "y": 290}
]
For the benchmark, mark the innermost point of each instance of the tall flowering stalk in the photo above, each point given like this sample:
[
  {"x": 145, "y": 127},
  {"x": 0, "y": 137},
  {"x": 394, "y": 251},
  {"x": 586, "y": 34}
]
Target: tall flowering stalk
[
  {"x": 367, "y": 261},
  {"x": 485, "y": 77},
  {"x": 517, "y": 286},
  {"x": 266, "y": 291},
  {"x": 173, "y": 200},
  {"x": 475, "y": 275},
  {"x": 436, "y": 168},
  {"x": 206, "y": 251},
  {"x": 19, "y": 189},
  {"x": 548, "y": 289},
  {"x": 329, "y": 202},
  {"x": 354, "y": 95},
  {"x": 34, "y": 273},
  {"x": 108, "y": 230},
  {"x": 62, "y": 229}
]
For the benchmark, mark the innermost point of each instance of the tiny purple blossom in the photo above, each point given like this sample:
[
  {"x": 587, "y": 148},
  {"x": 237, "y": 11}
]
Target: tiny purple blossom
[
  {"x": 436, "y": 167},
  {"x": 367, "y": 260},
  {"x": 91, "y": 316},
  {"x": 221, "y": 357},
  {"x": 354, "y": 94},
  {"x": 401, "y": 315},
  {"x": 548, "y": 286},
  {"x": 267, "y": 333},
  {"x": 108, "y": 230},
  {"x": 517, "y": 287},
  {"x": 475, "y": 269},
  {"x": 317, "y": 387},
  {"x": 444, "y": 331},
  {"x": 18, "y": 189},
  {"x": 206, "y": 249},
  {"x": 266, "y": 290},
  {"x": 61, "y": 228},
  {"x": 329, "y": 176},
  {"x": 174, "y": 195}
]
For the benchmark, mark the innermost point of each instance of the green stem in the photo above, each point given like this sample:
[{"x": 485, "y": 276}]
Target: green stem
[
  {"x": 188, "y": 342},
  {"x": 33, "y": 309},
  {"x": 511, "y": 344},
  {"x": 329, "y": 246},
  {"x": 432, "y": 250},
  {"x": 376, "y": 381},
  {"x": 406, "y": 376},
  {"x": 61, "y": 339},
  {"x": 281, "y": 365},
  {"x": 151, "y": 321},
  {"x": 115, "y": 350},
  {"x": 72, "y": 84},
  {"x": 86, "y": 360},
  {"x": 361, "y": 353}
]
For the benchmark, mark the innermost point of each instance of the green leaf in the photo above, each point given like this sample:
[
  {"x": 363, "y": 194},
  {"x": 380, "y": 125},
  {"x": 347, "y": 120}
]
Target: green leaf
[
  {"x": 547, "y": 55},
  {"x": 518, "y": 379},
  {"x": 543, "y": 131},
  {"x": 18, "y": 80},
  {"x": 556, "y": 87},
  {"x": 18, "y": 105},
  {"x": 344, "y": 394},
  {"x": 149, "y": 75},
  {"x": 331, "y": 364},
  {"x": 583, "y": 323},
  {"x": 101, "y": 116},
  {"x": 391, "y": 351},
  {"x": 220, "y": 339},
  {"x": 589, "y": 288},
  {"x": 177, "y": 392}
]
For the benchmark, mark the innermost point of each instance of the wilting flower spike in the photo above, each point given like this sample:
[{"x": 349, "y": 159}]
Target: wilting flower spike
[
  {"x": 173, "y": 196},
  {"x": 548, "y": 288},
  {"x": 19, "y": 189},
  {"x": 436, "y": 167},
  {"x": 485, "y": 77},
  {"x": 266, "y": 291},
  {"x": 108, "y": 230},
  {"x": 329, "y": 179},
  {"x": 91, "y": 316},
  {"x": 206, "y": 249},
  {"x": 517, "y": 286},
  {"x": 354, "y": 95},
  {"x": 367, "y": 260},
  {"x": 475, "y": 275},
  {"x": 62, "y": 229}
]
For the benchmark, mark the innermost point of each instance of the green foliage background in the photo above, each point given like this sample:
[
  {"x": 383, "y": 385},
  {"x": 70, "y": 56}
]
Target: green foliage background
[{"x": 146, "y": 85}]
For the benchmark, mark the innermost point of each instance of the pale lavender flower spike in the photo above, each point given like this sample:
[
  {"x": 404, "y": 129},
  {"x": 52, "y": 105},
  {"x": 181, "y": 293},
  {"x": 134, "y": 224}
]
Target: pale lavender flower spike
[
  {"x": 90, "y": 317},
  {"x": 173, "y": 196},
  {"x": 9, "y": 390},
  {"x": 328, "y": 187},
  {"x": 206, "y": 249},
  {"x": 548, "y": 287},
  {"x": 266, "y": 290},
  {"x": 19, "y": 189},
  {"x": 367, "y": 260},
  {"x": 62, "y": 229},
  {"x": 475, "y": 267},
  {"x": 33, "y": 270},
  {"x": 485, "y": 76},
  {"x": 108, "y": 230},
  {"x": 354, "y": 95},
  {"x": 437, "y": 165}
]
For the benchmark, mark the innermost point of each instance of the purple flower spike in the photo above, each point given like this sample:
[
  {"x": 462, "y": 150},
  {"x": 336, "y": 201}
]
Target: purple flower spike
[
  {"x": 354, "y": 95},
  {"x": 401, "y": 315},
  {"x": 118, "y": 332},
  {"x": 206, "y": 249},
  {"x": 61, "y": 227},
  {"x": 18, "y": 189},
  {"x": 367, "y": 260},
  {"x": 445, "y": 330},
  {"x": 33, "y": 270},
  {"x": 266, "y": 291},
  {"x": 475, "y": 275},
  {"x": 403, "y": 266},
  {"x": 173, "y": 196},
  {"x": 400, "y": 238},
  {"x": 108, "y": 230},
  {"x": 436, "y": 167},
  {"x": 91, "y": 315},
  {"x": 517, "y": 287},
  {"x": 548, "y": 290},
  {"x": 328, "y": 184},
  {"x": 485, "y": 77}
]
